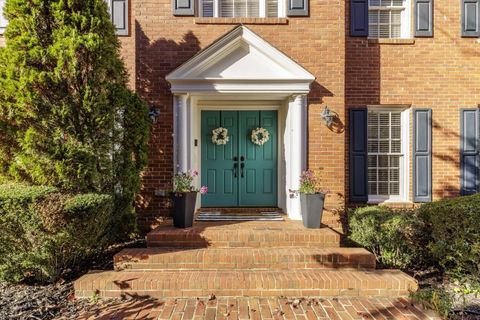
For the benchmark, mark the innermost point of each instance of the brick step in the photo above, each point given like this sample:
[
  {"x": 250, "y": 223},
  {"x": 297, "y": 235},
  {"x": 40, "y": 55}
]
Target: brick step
[
  {"x": 254, "y": 234},
  {"x": 224, "y": 283},
  {"x": 243, "y": 258}
]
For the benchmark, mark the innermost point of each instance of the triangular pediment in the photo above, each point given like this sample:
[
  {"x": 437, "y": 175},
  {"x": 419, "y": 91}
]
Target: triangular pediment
[{"x": 240, "y": 55}]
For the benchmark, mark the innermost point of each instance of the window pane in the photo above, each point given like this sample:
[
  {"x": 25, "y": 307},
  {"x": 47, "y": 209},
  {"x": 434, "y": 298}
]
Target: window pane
[
  {"x": 207, "y": 8},
  {"x": 272, "y": 8},
  {"x": 384, "y": 138},
  {"x": 239, "y": 8}
]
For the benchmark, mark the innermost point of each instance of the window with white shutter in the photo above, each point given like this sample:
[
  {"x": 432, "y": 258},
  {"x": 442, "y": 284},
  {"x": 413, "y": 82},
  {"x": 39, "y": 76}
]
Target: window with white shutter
[
  {"x": 388, "y": 18},
  {"x": 240, "y": 8},
  {"x": 386, "y": 155}
]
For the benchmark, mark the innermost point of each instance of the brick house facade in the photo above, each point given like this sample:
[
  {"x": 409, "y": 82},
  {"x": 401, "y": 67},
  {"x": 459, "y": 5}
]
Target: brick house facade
[{"x": 411, "y": 67}]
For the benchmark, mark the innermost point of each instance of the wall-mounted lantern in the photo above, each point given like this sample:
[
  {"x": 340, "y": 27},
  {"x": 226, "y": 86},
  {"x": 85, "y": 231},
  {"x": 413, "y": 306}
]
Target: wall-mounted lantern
[
  {"x": 153, "y": 114},
  {"x": 327, "y": 116}
]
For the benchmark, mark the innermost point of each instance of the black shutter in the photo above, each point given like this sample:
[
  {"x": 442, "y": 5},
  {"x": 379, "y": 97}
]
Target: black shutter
[
  {"x": 469, "y": 158},
  {"x": 470, "y": 18},
  {"x": 358, "y": 18},
  {"x": 358, "y": 155},
  {"x": 423, "y": 18},
  {"x": 119, "y": 15},
  {"x": 297, "y": 8},
  {"x": 422, "y": 155},
  {"x": 183, "y": 7}
]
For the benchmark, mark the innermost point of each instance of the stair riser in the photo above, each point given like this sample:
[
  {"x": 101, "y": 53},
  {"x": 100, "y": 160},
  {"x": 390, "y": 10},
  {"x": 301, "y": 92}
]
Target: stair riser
[
  {"x": 202, "y": 293},
  {"x": 245, "y": 266},
  {"x": 330, "y": 243}
]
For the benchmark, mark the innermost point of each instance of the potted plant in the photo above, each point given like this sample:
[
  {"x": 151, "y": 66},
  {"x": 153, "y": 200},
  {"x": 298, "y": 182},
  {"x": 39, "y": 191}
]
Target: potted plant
[
  {"x": 184, "y": 197},
  {"x": 311, "y": 200}
]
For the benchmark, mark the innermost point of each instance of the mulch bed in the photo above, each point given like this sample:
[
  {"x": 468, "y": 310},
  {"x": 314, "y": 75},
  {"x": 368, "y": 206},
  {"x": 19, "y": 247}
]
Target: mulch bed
[{"x": 56, "y": 301}]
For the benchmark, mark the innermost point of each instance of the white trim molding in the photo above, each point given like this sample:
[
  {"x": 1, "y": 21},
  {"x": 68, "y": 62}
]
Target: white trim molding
[{"x": 240, "y": 62}]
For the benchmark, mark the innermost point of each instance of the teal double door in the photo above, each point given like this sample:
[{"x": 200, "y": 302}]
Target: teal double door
[{"x": 239, "y": 173}]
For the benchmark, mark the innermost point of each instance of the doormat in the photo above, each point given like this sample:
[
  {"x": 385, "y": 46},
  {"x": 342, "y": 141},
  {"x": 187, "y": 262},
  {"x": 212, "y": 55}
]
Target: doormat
[{"x": 244, "y": 216}]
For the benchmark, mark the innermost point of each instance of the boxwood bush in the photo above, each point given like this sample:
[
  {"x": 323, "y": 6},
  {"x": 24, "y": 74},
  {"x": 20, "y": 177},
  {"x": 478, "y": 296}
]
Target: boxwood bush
[
  {"x": 454, "y": 226},
  {"x": 44, "y": 231},
  {"x": 396, "y": 237}
]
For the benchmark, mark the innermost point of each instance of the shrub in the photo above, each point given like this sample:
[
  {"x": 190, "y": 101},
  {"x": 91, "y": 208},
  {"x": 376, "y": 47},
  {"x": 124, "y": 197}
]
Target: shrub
[
  {"x": 67, "y": 117},
  {"x": 396, "y": 237},
  {"x": 454, "y": 225},
  {"x": 45, "y": 232}
]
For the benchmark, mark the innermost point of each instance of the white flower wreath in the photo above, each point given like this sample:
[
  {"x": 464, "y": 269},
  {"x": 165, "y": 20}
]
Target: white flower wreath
[
  {"x": 220, "y": 136},
  {"x": 265, "y": 136}
]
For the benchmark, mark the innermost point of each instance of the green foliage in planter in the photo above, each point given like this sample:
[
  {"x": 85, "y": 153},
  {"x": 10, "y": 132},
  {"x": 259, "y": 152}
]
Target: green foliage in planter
[
  {"x": 45, "y": 232},
  {"x": 396, "y": 237},
  {"x": 67, "y": 118},
  {"x": 454, "y": 225},
  {"x": 435, "y": 298}
]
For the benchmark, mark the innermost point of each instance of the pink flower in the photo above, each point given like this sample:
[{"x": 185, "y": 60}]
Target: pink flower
[
  {"x": 194, "y": 173},
  {"x": 204, "y": 190}
]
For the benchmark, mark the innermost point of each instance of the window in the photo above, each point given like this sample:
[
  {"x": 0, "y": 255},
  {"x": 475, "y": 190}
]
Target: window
[
  {"x": 241, "y": 8},
  {"x": 388, "y": 19},
  {"x": 386, "y": 155},
  {"x": 3, "y": 21}
]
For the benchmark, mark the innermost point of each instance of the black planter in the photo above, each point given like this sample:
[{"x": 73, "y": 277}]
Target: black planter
[
  {"x": 183, "y": 208},
  {"x": 312, "y": 209}
]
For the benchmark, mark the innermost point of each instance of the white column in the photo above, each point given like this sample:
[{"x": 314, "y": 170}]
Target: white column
[
  {"x": 295, "y": 148},
  {"x": 182, "y": 133}
]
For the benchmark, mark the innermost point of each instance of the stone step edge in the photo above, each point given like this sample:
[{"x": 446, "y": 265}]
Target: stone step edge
[
  {"x": 379, "y": 283},
  {"x": 243, "y": 258}
]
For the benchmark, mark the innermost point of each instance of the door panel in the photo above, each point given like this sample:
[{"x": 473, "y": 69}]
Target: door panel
[
  {"x": 256, "y": 184},
  {"x": 258, "y": 187},
  {"x": 217, "y": 161}
]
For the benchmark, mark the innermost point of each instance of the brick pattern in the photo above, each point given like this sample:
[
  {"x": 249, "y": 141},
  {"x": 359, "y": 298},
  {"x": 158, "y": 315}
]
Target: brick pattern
[
  {"x": 441, "y": 73},
  {"x": 238, "y": 283},
  {"x": 246, "y": 234},
  {"x": 244, "y": 258},
  {"x": 263, "y": 308}
]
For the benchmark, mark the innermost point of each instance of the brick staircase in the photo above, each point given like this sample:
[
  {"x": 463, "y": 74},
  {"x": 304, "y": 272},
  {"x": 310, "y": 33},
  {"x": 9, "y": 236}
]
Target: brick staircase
[{"x": 244, "y": 259}]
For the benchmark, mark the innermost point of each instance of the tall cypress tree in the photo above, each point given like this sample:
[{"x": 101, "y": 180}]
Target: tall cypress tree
[{"x": 67, "y": 118}]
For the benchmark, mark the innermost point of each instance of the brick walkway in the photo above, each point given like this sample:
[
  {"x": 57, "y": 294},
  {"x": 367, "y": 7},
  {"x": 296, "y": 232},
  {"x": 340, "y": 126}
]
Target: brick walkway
[{"x": 267, "y": 308}]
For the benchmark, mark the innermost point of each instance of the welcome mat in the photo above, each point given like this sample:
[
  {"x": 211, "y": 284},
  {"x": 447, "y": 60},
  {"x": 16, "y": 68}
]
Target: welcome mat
[{"x": 244, "y": 216}]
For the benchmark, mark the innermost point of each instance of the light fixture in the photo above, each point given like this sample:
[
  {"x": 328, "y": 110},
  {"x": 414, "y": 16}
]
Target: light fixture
[
  {"x": 327, "y": 116},
  {"x": 153, "y": 114}
]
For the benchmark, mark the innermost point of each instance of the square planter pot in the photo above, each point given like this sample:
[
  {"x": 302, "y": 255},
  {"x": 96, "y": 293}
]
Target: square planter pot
[
  {"x": 183, "y": 208},
  {"x": 312, "y": 209}
]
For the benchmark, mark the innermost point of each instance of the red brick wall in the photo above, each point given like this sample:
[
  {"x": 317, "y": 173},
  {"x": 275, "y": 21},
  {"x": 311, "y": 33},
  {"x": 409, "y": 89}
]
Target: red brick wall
[
  {"x": 163, "y": 42},
  {"x": 442, "y": 73}
]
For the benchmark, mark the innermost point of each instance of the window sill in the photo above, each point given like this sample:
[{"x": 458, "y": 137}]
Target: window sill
[
  {"x": 392, "y": 41},
  {"x": 241, "y": 20}
]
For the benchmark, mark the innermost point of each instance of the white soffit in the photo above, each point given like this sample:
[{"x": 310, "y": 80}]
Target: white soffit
[{"x": 240, "y": 61}]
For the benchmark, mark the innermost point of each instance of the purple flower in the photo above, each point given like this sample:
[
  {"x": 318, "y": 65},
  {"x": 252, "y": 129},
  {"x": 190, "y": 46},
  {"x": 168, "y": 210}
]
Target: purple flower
[
  {"x": 203, "y": 190},
  {"x": 194, "y": 173}
]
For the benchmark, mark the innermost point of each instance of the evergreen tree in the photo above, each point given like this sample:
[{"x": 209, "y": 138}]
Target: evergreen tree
[{"x": 67, "y": 118}]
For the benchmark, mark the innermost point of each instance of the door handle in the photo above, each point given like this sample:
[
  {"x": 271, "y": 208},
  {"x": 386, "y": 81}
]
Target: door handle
[
  {"x": 235, "y": 166},
  {"x": 242, "y": 158},
  {"x": 242, "y": 166}
]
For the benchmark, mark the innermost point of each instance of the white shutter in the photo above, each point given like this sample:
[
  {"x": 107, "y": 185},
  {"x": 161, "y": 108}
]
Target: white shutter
[{"x": 3, "y": 21}]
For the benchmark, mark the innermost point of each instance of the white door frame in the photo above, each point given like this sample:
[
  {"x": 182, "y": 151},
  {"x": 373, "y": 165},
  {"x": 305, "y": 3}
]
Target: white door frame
[{"x": 292, "y": 128}]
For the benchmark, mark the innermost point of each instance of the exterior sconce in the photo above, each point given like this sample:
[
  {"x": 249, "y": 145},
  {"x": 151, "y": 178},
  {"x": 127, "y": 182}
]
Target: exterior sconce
[
  {"x": 327, "y": 116},
  {"x": 153, "y": 114}
]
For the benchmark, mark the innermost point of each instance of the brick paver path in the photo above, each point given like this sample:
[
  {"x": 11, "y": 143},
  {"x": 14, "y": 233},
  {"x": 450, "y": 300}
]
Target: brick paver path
[{"x": 263, "y": 308}]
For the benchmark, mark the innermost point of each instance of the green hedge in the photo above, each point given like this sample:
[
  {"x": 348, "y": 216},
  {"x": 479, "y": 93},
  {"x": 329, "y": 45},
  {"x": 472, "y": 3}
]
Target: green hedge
[
  {"x": 454, "y": 226},
  {"x": 396, "y": 237},
  {"x": 44, "y": 232}
]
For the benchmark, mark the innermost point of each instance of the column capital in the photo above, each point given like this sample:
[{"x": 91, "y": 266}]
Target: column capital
[{"x": 297, "y": 96}]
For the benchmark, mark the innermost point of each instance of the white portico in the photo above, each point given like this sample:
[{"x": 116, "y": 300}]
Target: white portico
[{"x": 241, "y": 71}]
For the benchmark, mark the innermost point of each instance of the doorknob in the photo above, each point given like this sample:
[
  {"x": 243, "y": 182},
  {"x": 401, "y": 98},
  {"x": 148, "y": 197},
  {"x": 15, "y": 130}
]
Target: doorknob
[
  {"x": 242, "y": 166},
  {"x": 235, "y": 166},
  {"x": 242, "y": 158}
]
